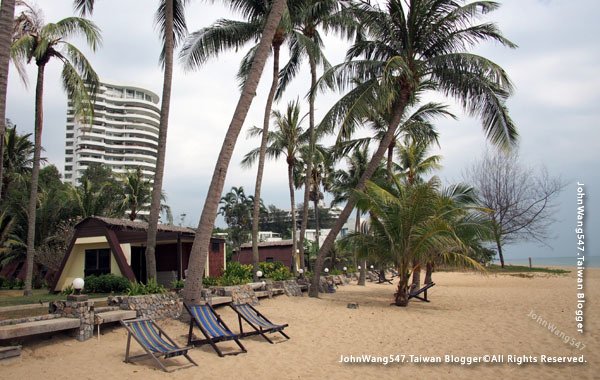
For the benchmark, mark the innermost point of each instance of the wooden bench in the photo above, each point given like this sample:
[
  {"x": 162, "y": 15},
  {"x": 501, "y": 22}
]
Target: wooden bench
[{"x": 37, "y": 327}]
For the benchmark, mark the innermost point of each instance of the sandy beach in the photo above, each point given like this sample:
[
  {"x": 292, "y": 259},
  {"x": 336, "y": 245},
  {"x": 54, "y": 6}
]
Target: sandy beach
[{"x": 469, "y": 316}]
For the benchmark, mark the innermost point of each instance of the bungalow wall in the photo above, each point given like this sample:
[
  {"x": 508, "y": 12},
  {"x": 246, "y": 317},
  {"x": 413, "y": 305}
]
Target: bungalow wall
[{"x": 281, "y": 253}]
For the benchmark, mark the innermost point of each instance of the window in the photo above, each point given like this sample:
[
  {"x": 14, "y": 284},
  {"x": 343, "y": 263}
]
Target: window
[
  {"x": 214, "y": 246},
  {"x": 97, "y": 261},
  {"x": 269, "y": 259}
]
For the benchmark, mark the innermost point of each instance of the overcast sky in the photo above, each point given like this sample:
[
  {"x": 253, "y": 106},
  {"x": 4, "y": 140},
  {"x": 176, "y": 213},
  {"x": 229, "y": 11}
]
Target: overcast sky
[{"x": 555, "y": 107}]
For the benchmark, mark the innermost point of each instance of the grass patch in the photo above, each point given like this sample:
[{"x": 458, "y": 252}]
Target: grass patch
[
  {"x": 524, "y": 269},
  {"x": 16, "y": 297}
]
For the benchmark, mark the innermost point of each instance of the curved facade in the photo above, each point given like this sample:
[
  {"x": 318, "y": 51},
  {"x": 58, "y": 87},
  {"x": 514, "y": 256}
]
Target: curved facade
[{"x": 124, "y": 134}]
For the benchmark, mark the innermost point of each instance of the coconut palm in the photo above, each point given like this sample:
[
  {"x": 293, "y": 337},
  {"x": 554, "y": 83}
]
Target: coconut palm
[
  {"x": 286, "y": 140},
  {"x": 18, "y": 158},
  {"x": 209, "y": 212},
  {"x": 401, "y": 57},
  {"x": 39, "y": 42},
  {"x": 409, "y": 222},
  {"x": 7, "y": 14}
]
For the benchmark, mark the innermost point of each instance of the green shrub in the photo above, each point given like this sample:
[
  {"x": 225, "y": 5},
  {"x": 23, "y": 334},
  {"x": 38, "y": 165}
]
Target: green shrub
[
  {"x": 210, "y": 281},
  {"x": 236, "y": 274},
  {"x": 68, "y": 290},
  {"x": 10, "y": 283},
  {"x": 106, "y": 283},
  {"x": 152, "y": 287},
  {"x": 276, "y": 271},
  {"x": 177, "y": 284},
  {"x": 2, "y": 282},
  {"x": 20, "y": 284}
]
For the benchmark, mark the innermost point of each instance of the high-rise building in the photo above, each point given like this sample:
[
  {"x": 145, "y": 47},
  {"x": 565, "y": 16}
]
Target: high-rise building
[{"x": 123, "y": 136}]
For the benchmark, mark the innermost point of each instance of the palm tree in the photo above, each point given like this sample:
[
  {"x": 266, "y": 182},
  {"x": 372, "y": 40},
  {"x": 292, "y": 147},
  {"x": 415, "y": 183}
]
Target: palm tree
[
  {"x": 209, "y": 212},
  {"x": 285, "y": 140},
  {"x": 343, "y": 182},
  {"x": 7, "y": 14},
  {"x": 18, "y": 158},
  {"x": 409, "y": 222},
  {"x": 227, "y": 35},
  {"x": 401, "y": 58},
  {"x": 41, "y": 42},
  {"x": 137, "y": 193}
]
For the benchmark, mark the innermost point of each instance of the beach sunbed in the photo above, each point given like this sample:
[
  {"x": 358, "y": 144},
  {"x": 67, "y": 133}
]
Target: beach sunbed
[
  {"x": 212, "y": 327},
  {"x": 416, "y": 293},
  {"x": 154, "y": 341},
  {"x": 257, "y": 321}
]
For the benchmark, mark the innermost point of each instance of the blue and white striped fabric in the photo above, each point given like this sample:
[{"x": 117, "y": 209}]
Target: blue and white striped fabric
[
  {"x": 205, "y": 317},
  {"x": 148, "y": 336},
  {"x": 254, "y": 318}
]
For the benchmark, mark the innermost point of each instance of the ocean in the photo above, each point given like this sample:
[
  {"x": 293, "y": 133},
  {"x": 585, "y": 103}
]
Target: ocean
[{"x": 571, "y": 261}]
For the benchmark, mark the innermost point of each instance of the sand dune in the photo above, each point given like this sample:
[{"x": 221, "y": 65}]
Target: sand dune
[{"x": 470, "y": 316}]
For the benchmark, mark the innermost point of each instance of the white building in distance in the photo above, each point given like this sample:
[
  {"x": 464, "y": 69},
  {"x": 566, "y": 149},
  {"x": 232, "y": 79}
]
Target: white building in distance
[{"x": 124, "y": 134}]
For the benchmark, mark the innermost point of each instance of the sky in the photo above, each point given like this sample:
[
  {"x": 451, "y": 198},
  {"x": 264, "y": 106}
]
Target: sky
[{"x": 555, "y": 105}]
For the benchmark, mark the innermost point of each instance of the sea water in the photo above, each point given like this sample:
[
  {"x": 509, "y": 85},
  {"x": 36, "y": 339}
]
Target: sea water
[{"x": 571, "y": 261}]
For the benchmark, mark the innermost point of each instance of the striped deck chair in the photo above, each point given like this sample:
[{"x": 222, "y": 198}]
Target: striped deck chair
[
  {"x": 212, "y": 327},
  {"x": 257, "y": 321},
  {"x": 154, "y": 341}
]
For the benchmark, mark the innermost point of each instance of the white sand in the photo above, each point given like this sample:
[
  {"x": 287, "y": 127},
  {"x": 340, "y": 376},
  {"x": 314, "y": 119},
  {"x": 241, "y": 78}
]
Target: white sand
[{"x": 469, "y": 315}]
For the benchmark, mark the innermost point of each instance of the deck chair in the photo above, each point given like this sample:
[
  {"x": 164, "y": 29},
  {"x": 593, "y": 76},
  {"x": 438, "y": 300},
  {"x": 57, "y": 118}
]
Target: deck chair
[
  {"x": 154, "y": 341},
  {"x": 415, "y": 293},
  {"x": 257, "y": 321},
  {"x": 212, "y": 327}
]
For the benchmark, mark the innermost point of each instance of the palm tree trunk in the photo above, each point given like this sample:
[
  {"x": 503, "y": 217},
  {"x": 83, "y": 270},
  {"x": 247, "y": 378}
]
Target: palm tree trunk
[
  {"x": 362, "y": 277},
  {"x": 35, "y": 173},
  {"x": 416, "y": 276},
  {"x": 199, "y": 252},
  {"x": 261, "y": 161},
  {"x": 162, "y": 145},
  {"x": 309, "y": 161},
  {"x": 293, "y": 211},
  {"x": 428, "y": 272},
  {"x": 371, "y": 167},
  {"x": 401, "y": 296},
  {"x": 390, "y": 158},
  {"x": 316, "y": 203},
  {"x": 7, "y": 14}
]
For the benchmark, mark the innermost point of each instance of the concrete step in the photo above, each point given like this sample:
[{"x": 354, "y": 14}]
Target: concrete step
[{"x": 114, "y": 316}]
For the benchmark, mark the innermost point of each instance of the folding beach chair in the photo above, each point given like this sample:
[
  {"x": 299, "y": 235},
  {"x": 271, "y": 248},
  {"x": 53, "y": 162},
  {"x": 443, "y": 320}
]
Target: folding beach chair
[
  {"x": 257, "y": 321},
  {"x": 154, "y": 341},
  {"x": 415, "y": 293},
  {"x": 212, "y": 327}
]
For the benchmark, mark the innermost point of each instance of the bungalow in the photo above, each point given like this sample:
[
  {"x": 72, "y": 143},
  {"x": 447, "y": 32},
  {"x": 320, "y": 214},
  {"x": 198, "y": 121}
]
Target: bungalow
[
  {"x": 106, "y": 245},
  {"x": 268, "y": 251}
]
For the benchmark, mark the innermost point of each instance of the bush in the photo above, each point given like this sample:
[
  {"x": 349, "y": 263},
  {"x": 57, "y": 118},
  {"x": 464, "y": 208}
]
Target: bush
[
  {"x": 177, "y": 284},
  {"x": 20, "y": 284},
  {"x": 236, "y": 274},
  {"x": 68, "y": 290},
  {"x": 106, "y": 283},
  {"x": 2, "y": 282},
  {"x": 276, "y": 271},
  {"x": 210, "y": 281},
  {"x": 152, "y": 287}
]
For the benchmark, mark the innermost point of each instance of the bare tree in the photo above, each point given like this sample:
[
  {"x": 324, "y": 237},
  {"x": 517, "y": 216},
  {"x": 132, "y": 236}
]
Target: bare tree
[{"x": 521, "y": 199}]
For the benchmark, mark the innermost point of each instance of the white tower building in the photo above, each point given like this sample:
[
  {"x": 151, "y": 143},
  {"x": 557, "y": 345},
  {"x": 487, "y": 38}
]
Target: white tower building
[{"x": 124, "y": 134}]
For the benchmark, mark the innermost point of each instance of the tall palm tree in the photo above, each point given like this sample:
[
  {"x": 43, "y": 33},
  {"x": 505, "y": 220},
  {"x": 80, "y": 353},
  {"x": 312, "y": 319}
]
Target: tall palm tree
[
  {"x": 41, "y": 42},
  {"x": 401, "y": 57},
  {"x": 343, "y": 182},
  {"x": 7, "y": 14},
  {"x": 137, "y": 193},
  {"x": 170, "y": 18},
  {"x": 286, "y": 139},
  {"x": 209, "y": 212},
  {"x": 227, "y": 35}
]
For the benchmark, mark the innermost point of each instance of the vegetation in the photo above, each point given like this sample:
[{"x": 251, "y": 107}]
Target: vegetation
[
  {"x": 150, "y": 287},
  {"x": 524, "y": 269},
  {"x": 106, "y": 283}
]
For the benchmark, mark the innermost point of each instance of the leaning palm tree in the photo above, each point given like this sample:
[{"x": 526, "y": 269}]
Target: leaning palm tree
[
  {"x": 228, "y": 35},
  {"x": 39, "y": 42},
  {"x": 286, "y": 139},
  {"x": 209, "y": 212},
  {"x": 401, "y": 57}
]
